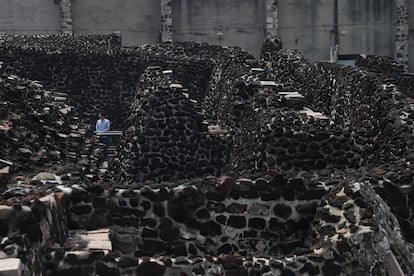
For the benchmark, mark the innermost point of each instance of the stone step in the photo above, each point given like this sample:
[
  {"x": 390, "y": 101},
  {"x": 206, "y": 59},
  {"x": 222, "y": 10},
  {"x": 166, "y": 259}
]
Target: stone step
[
  {"x": 11, "y": 267},
  {"x": 82, "y": 240}
]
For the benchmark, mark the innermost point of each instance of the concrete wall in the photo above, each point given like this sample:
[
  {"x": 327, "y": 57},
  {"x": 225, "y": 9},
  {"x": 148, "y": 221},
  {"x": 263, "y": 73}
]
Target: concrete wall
[
  {"x": 411, "y": 34},
  {"x": 29, "y": 16},
  {"x": 365, "y": 26},
  {"x": 306, "y": 25},
  {"x": 138, "y": 21},
  {"x": 242, "y": 22}
]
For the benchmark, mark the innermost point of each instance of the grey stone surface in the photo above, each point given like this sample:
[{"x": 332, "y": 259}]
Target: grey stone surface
[
  {"x": 138, "y": 21},
  {"x": 29, "y": 17},
  {"x": 229, "y": 23}
]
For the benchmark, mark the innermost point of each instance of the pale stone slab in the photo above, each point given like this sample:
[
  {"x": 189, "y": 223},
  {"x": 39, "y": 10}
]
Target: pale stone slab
[{"x": 10, "y": 267}]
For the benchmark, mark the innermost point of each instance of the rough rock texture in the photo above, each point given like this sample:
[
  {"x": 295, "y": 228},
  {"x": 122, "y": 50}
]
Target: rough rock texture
[
  {"x": 38, "y": 126},
  {"x": 27, "y": 230},
  {"x": 299, "y": 162},
  {"x": 97, "y": 74},
  {"x": 166, "y": 137},
  {"x": 371, "y": 106},
  {"x": 392, "y": 69}
]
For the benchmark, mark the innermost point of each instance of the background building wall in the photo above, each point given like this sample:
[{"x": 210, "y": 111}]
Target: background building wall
[
  {"x": 411, "y": 36},
  {"x": 29, "y": 16},
  {"x": 366, "y": 27},
  {"x": 137, "y": 20},
  {"x": 242, "y": 22},
  {"x": 307, "y": 26}
]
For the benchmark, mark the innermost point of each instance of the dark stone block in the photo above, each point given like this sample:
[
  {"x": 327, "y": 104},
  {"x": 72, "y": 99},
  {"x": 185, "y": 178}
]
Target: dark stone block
[
  {"x": 315, "y": 194},
  {"x": 170, "y": 234},
  {"x": 154, "y": 246},
  {"x": 105, "y": 270},
  {"x": 221, "y": 219},
  {"x": 288, "y": 193},
  {"x": 310, "y": 268},
  {"x": 100, "y": 202},
  {"x": 216, "y": 196},
  {"x": 210, "y": 229},
  {"x": 269, "y": 196},
  {"x": 68, "y": 272},
  {"x": 165, "y": 223},
  {"x": 282, "y": 210},
  {"x": 298, "y": 184},
  {"x": 306, "y": 209},
  {"x": 150, "y": 268},
  {"x": 192, "y": 249},
  {"x": 269, "y": 236},
  {"x": 126, "y": 262},
  {"x": 134, "y": 202},
  {"x": 216, "y": 207},
  {"x": 225, "y": 249},
  {"x": 257, "y": 223},
  {"x": 129, "y": 193},
  {"x": 203, "y": 214},
  {"x": 327, "y": 230},
  {"x": 262, "y": 184},
  {"x": 249, "y": 234},
  {"x": 158, "y": 209},
  {"x": 287, "y": 272},
  {"x": 235, "y": 194},
  {"x": 149, "y": 233},
  {"x": 236, "y": 208},
  {"x": 148, "y": 222},
  {"x": 237, "y": 222},
  {"x": 151, "y": 195},
  {"x": 125, "y": 221},
  {"x": 124, "y": 211},
  {"x": 81, "y": 209},
  {"x": 177, "y": 250},
  {"x": 146, "y": 205},
  {"x": 327, "y": 216},
  {"x": 330, "y": 268}
]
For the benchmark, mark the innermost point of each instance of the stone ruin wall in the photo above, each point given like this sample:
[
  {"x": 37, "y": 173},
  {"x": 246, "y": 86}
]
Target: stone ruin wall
[
  {"x": 369, "y": 105},
  {"x": 183, "y": 223},
  {"x": 99, "y": 76},
  {"x": 177, "y": 221}
]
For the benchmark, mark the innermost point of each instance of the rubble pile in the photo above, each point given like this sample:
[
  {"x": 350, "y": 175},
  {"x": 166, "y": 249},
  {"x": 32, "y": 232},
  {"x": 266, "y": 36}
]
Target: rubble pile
[{"x": 38, "y": 127}]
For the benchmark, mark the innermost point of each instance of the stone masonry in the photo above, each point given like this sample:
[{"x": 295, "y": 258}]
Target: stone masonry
[
  {"x": 166, "y": 21},
  {"x": 401, "y": 32},
  {"x": 66, "y": 16}
]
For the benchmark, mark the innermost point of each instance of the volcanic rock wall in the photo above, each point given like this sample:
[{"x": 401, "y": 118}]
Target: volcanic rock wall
[
  {"x": 271, "y": 125},
  {"x": 370, "y": 106},
  {"x": 37, "y": 126},
  {"x": 96, "y": 73},
  {"x": 167, "y": 138},
  {"x": 344, "y": 231},
  {"x": 389, "y": 67},
  {"x": 27, "y": 230}
]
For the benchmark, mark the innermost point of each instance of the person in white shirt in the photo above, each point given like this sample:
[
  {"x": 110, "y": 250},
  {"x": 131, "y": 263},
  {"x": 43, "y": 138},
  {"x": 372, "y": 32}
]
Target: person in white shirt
[{"x": 103, "y": 125}]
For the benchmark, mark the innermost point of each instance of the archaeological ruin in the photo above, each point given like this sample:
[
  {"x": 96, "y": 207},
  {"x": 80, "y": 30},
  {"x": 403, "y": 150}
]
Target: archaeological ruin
[{"x": 226, "y": 164}]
